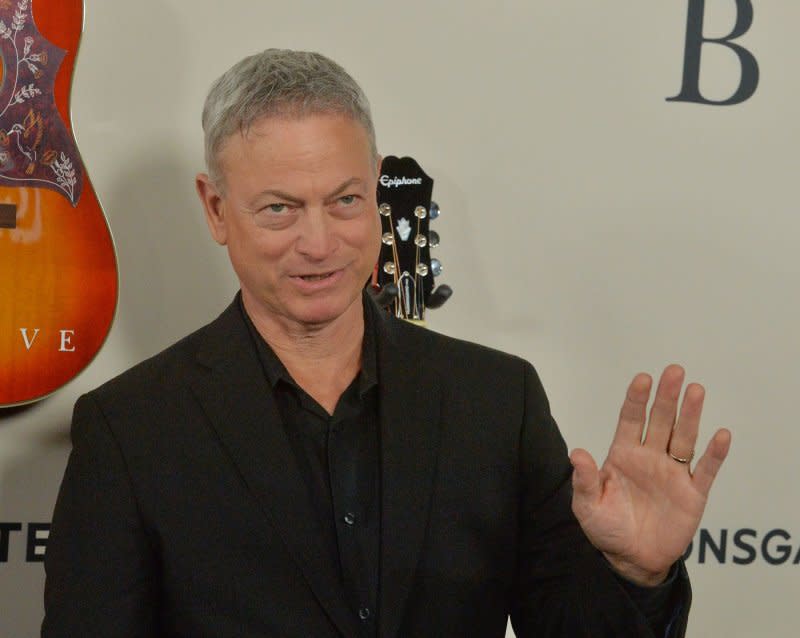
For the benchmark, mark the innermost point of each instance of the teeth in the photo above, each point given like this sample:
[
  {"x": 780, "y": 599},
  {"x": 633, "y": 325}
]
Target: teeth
[{"x": 315, "y": 277}]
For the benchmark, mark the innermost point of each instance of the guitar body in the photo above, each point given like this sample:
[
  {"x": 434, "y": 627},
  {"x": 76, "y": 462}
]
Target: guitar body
[{"x": 58, "y": 270}]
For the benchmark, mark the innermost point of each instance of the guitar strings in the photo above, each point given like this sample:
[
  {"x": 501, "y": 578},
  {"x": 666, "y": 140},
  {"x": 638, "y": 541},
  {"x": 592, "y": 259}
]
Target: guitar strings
[{"x": 398, "y": 307}]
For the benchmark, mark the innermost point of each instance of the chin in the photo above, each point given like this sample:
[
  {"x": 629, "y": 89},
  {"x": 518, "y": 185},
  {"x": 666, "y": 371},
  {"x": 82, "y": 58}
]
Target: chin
[{"x": 321, "y": 312}]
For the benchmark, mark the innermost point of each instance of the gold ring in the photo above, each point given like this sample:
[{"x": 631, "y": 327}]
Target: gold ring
[{"x": 680, "y": 459}]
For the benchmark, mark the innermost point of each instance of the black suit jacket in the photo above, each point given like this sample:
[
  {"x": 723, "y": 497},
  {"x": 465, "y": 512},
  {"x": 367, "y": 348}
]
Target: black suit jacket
[{"x": 183, "y": 512}]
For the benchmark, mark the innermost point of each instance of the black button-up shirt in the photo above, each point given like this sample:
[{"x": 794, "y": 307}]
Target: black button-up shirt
[{"x": 338, "y": 456}]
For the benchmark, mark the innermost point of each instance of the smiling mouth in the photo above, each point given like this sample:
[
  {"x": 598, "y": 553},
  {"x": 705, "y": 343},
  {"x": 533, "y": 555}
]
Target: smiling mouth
[{"x": 317, "y": 277}]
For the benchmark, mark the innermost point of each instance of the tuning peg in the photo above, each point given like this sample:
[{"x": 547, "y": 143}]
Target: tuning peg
[
  {"x": 434, "y": 211},
  {"x": 433, "y": 238},
  {"x": 439, "y": 296},
  {"x": 436, "y": 267},
  {"x": 385, "y": 295}
]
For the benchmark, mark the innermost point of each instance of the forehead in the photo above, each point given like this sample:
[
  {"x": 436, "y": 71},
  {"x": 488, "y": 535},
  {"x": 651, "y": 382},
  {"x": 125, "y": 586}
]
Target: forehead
[{"x": 301, "y": 141}]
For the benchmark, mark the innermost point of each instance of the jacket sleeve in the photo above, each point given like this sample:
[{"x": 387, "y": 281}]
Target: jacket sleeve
[
  {"x": 101, "y": 571},
  {"x": 563, "y": 586}
]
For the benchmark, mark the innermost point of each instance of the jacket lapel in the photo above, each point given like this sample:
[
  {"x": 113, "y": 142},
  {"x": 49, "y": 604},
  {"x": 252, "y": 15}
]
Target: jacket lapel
[
  {"x": 410, "y": 403},
  {"x": 234, "y": 394}
]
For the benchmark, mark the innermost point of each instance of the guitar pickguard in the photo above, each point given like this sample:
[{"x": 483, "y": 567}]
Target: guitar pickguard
[{"x": 36, "y": 148}]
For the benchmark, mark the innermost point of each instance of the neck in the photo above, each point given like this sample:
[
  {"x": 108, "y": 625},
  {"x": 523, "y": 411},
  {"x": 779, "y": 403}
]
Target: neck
[{"x": 322, "y": 359}]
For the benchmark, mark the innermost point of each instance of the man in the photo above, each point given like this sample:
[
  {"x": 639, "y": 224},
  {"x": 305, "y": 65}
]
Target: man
[{"x": 305, "y": 466}]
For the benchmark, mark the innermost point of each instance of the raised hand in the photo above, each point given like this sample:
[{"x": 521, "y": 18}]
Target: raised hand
[{"x": 643, "y": 506}]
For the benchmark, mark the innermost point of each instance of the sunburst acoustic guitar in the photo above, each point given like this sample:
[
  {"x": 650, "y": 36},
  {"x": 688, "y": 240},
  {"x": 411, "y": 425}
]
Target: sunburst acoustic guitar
[{"x": 58, "y": 270}]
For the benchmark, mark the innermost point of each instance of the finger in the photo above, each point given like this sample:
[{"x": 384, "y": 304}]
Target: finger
[
  {"x": 684, "y": 434},
  {"x": 707, "y": 467},
  {"x": 665, "y": 407},
  {"x": 633, "y": 413},
  {"x": 586, "y": 488}
]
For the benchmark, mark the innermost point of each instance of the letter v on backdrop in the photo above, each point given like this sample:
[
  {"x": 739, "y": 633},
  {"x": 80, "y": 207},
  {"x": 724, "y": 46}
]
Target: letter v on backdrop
[{"x": 690, "y": 91}]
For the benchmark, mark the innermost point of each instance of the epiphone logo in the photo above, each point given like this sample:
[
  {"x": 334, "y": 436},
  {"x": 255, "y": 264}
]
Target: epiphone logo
[
  {"x": 64, "y": 341},
  {"x": 394, "y": 182}
]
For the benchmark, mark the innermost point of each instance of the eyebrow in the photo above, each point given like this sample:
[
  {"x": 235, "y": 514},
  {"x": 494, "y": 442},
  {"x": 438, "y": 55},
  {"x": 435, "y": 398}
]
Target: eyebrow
[
  {"x": 353, "y": 181},
  {"x": 277, "y": 194}
]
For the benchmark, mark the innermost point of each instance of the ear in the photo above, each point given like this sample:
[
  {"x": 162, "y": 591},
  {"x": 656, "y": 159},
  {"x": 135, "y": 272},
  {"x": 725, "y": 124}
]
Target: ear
[
  {"x": 378, "y": 164},
  {"x": 214, "y": 205}
]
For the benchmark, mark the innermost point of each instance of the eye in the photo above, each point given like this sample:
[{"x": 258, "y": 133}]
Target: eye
[
  {"x": 275, "y": 216},
  {"x": 347, "y": 200}
]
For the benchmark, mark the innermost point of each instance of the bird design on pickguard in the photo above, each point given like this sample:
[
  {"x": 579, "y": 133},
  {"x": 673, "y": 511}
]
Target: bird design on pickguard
[{"x": 36, "y": 149}]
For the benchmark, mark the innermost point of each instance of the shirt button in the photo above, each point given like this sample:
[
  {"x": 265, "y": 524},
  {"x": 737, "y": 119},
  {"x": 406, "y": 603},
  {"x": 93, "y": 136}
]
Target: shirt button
[
  {"x": 350, "y": 519},
  {"x": 364, "y": 613}
]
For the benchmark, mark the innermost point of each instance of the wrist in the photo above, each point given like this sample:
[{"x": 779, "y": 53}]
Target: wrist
[{"x": 636, "y": 574}]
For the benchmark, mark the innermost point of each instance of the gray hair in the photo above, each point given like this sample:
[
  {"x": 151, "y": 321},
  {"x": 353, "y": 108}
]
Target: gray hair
[{"x": 278, "y": 83}]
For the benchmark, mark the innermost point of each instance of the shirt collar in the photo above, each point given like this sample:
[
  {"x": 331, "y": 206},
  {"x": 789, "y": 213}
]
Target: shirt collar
[{"x": 275, "y": 371}]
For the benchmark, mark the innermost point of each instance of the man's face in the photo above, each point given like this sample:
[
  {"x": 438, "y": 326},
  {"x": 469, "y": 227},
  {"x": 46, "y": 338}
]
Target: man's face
[{"x": 298, "y": 216}]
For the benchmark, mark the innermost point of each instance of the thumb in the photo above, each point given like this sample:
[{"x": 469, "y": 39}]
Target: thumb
[{"x": 585, "y": 480}]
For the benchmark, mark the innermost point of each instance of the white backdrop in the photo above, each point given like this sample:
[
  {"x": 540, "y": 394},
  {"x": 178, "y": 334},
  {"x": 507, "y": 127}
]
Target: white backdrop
[{"x": 589, "y": 225}]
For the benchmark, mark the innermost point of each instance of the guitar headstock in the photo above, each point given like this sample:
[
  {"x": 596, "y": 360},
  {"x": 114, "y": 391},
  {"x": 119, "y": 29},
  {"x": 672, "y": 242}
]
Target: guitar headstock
[{"x": 405, "y": 270}]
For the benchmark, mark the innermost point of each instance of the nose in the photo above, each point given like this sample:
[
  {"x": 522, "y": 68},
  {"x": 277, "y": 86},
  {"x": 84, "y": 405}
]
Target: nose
[{"x": 316, "y": 239}]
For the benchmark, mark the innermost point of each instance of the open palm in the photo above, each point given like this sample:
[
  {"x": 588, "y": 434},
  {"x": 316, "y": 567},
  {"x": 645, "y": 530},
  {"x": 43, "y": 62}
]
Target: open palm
[{"x": 643, "y": 506}]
